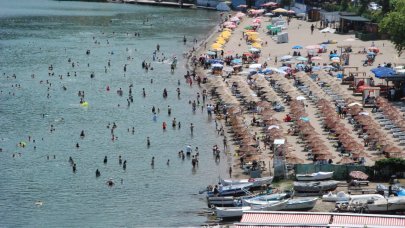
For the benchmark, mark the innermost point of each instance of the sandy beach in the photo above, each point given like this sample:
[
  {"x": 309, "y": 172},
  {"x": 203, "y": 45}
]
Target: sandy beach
[{"x": 299, "y": 33}]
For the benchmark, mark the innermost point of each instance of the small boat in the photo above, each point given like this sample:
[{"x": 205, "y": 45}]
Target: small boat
[
  {"x": 237, "y": 212},
  {"x": 230, "y": 212},
  {"x": 385, "y": 205},
  {"x": 303, "y": 204},
  {"x": 221, "y": 201},
  {"x": 231, "y": 190},
  {"x": 315, "y": 186},
  {"x": 273, "y": 206},
  {"x": 255, "y": 181},
  {"x": 314, "y": 176},
  {"x": 342, "y": 196},
  {"x": 264, "y": 198}
]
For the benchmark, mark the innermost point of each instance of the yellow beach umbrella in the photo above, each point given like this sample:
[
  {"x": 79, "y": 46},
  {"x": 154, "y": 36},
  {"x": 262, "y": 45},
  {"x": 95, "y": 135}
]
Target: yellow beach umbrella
[
  {"x": 217, "y": 49},
  {"x": 280, "y": 10},
  {"x": 257, "y": 45},
  {"x": 221, "y": 41},
  {"x": 216, "y": 45},
  {"x": 252, "y": 33}
]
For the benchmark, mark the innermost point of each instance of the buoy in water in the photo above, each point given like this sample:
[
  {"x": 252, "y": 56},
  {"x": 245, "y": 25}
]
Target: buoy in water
[{"x": 85, "y": 104}]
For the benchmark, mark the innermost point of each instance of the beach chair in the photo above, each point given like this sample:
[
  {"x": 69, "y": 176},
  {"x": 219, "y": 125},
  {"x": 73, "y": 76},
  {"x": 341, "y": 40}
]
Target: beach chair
[
  {"x": 389, "y": 126},
  {"x": 401, "y": 142}
]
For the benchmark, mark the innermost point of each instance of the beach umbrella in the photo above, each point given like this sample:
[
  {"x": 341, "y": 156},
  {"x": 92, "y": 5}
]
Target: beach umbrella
[
  {"x": 235, "y": 19},
  {"x": 268, "y": 14},
  {"x": 316, "y": 58},
  {"x": 286, "y": 57},
  {"x": 383, "y": 72},
  {"x": 346, "y": 160},
  {"x": 333, "y": 55},
  {"x": 291, "y": 11},
  {"x": 236, "y": 61},
  {"x": 257, "y": 20},
  {"x": 217, "y": 65},
  {"x": 240, "y": 14},
  {"x": 254, "y": 50},
  {"x": 297, "y": 47},
  {"x": 335, "y": 58},
  {"x": 255, "y": 66},
  {"x": 231, "y": 26},
  {"x": 216, "y": 45},
  {"x": 301, "y": 58},
  {"x": 280, "y": 10},
  {"x": 257, "y": 45},
  {"x": 358, "y": 175},
  {"x": 228, "y": 23},
  {"x": 210, "y": 53}
]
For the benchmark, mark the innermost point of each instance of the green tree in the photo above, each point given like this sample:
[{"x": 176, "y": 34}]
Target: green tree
[
  {"x": 363, "y": 6},
  {"x": 395, "y": 164},
  {"x": 344, "y": 4},
  {"x": 394, "y": 24}
]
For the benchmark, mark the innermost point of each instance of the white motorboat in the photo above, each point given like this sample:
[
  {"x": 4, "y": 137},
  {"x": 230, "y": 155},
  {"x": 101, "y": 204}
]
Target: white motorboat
[
  {"x": 384, "y": 205},
  {"x": 230, "y": 190},
  {"x": 230, "y": 212},
  {"x": 300, "y": 204},
  {"x": 314, "y": 176},
  {"x": 342, "y": 196},
  {"x": 255, "y": 181}
]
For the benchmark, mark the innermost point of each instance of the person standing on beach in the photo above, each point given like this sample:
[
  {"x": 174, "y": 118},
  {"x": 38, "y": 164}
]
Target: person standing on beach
[
  {"x": 230, "y": 171},
  {"x": 312, "y": 29},
  {"x": 191, "y": 128}
]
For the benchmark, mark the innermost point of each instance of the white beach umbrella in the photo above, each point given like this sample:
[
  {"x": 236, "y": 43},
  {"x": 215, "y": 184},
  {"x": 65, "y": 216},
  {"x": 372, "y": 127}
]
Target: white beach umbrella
[{"x": 300, "y": 98}]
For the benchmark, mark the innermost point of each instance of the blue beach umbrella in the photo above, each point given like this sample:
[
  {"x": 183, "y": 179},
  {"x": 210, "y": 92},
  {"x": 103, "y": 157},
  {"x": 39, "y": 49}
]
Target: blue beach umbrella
[
  {"x": 333, "y": 55},
  {"x": 236, "y": 61},
  {"x": 297, "y": 47},
  {"x": 210, "y": 53},
  {"x": 383, "y": 72}
]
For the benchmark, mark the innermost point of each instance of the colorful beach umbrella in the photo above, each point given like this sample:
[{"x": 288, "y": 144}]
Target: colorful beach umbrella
[
  {"x": 297, "y": 47},
  {"x": 280, "y": 10},
  {"x": 301, "y": 58}
]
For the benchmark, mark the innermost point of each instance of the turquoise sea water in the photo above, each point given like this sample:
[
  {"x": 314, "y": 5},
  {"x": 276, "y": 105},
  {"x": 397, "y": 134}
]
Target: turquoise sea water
[{"x": 37, "y": 33}]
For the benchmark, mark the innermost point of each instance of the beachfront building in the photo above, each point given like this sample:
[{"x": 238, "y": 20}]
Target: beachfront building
[
  {"x": 315, "y": 219},
  {"x": 249, "y": 3}
]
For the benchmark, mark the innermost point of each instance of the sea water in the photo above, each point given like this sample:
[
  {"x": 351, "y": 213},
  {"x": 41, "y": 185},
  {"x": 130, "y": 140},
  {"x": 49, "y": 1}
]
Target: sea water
[{"x": 35, "y": 34}]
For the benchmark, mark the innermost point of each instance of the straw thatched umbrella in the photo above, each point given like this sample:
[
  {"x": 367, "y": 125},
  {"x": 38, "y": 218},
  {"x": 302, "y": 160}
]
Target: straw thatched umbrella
[{"x": 346, "y": 160}]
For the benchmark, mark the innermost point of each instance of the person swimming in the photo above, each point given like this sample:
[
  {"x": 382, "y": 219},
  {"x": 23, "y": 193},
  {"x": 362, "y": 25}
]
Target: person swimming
[
  {"x": 98, "y": 174},
  {"x": 110, "y": 182}
]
